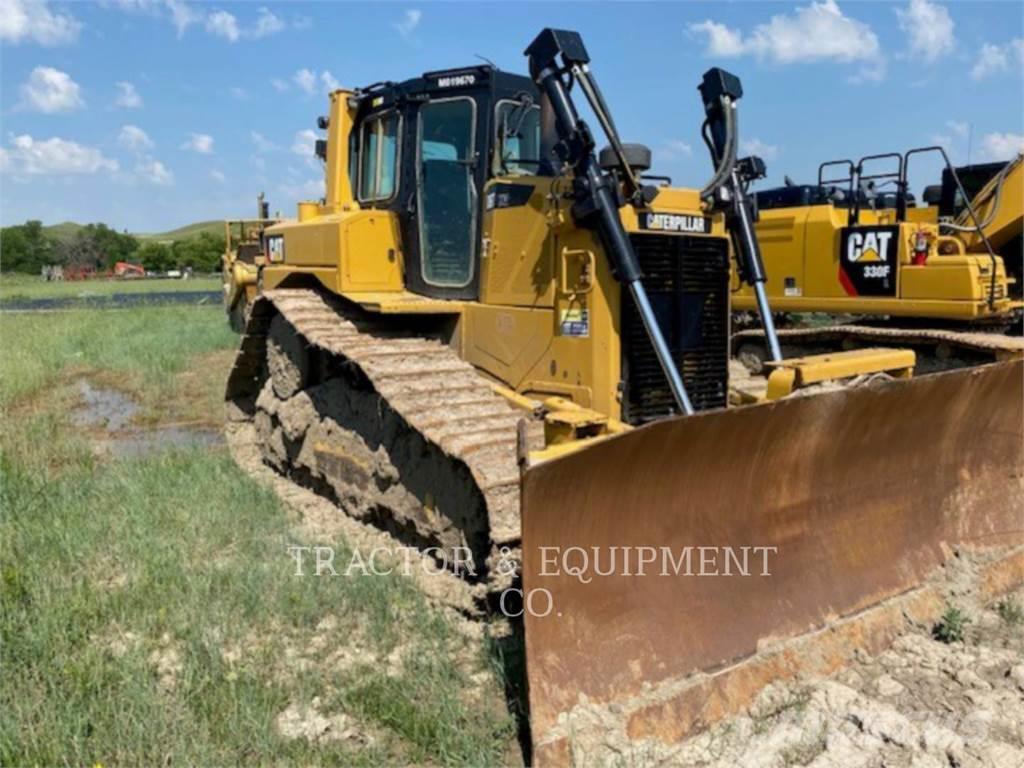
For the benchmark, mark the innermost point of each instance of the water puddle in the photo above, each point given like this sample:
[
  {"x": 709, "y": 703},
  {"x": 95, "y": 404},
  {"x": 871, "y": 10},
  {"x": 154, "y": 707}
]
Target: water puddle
[
  {"x": 102, "y": 407},
  {"x": 113, "y": 412},
  {"x": 133, "y": 443}
]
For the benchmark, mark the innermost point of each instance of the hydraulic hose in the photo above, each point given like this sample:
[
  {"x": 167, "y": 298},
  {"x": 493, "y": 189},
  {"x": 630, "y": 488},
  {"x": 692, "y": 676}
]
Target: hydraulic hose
[
  {"x": 995, "y": 194},
  {"x": 728, "y": 160}
]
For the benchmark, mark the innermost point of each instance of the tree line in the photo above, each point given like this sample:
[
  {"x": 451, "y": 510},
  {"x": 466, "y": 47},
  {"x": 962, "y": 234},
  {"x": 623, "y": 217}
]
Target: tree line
[{"x": 29, "y": 247}]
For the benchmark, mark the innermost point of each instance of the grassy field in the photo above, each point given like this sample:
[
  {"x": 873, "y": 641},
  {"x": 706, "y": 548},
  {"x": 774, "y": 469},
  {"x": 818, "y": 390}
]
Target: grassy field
[
  {"x": 150, "y": 611},
  {"x": 15, "y": 286}
]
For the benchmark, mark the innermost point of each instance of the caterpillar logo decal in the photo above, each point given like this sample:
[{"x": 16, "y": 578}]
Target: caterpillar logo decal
[
  {"x": 867, "y": 260},
  {"x": 675, "y": 222}
]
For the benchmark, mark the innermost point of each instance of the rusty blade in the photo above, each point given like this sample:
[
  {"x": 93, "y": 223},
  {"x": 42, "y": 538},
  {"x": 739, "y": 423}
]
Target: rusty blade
[{"x": 861, "y": 493}]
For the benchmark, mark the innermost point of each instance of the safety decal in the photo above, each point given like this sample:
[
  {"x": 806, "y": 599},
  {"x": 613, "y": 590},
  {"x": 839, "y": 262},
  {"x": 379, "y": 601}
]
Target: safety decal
[
  {"x": 574, "y": 322},
  {"x": 275, "y": 249}
]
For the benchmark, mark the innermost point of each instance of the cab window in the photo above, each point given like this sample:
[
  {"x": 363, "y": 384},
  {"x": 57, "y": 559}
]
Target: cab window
[
  {"x": 517, "y": 135},
  {"x": 378, "y": 157}
]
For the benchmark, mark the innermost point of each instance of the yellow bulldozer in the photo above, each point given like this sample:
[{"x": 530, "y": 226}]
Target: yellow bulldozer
[
  {"x": 490, "y": 338},
  {"x": 241, "y": 262}
]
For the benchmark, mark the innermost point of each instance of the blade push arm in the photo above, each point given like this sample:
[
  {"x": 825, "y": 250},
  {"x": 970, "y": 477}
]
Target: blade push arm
[{"x": 595, "y": 191}]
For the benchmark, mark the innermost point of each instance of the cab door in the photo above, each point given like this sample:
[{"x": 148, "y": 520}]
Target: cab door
[{"x": 447, "y": 199}]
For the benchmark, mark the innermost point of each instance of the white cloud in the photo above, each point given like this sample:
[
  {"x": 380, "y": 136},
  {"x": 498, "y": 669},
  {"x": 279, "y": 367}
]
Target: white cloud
[
  {"x": 199, "y": 142},
  {"x": 263, "y": 144},
  {"x": 943, "y": 141},
  {"x": 266, "y": 24},
  {"x": 305, "y": 143},
  {"x": 134, "y": 138},
  {"x": 127, "y": 96},
  {"x": 154, "y": 172},
  {"x": 929, "y": 29},
  {"x": 958, "y": 127},
  {"x": 183, "y": 15},
  {"x": 50, "y": 90},
  {"x": 305, "y": 79},
  {"x": 755, "y": 146},
  {"x": 131, "y": 5},
  {"x": 312, "y": 189},
  {"x": 240, "y": 93},
  {"x": 1002, "y": 146},
  {"x": 673, "y": 149},
  {"x": 329, "y": 81},
  {"x": 814, "y": 32},
  {"x": 871, "y": 72},
  {"x": 993, "y": 59},
  {"x": 722, "y": 41},
  {"x": 217, "y": 176},
  {"x": 52, "y": 157},
  {"x": 32, "y": 20},
  {"x": 410, "y": 20},
  {"x": 223, "y": 24}
]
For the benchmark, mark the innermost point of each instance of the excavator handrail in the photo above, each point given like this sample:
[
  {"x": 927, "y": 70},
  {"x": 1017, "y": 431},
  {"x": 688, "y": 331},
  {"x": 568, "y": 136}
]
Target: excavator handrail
[
  {"x": 822, "y": 182},
  {"x": 901, "y": 190},
  {"x": 968, "y": 206}
]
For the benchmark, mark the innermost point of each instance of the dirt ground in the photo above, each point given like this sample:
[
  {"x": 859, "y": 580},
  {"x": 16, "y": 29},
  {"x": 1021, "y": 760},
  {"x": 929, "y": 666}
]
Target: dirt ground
[{"x": 922, "y": 703}]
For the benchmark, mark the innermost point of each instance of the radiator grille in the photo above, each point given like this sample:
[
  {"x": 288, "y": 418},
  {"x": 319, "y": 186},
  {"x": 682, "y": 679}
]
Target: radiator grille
[{"x": 687, "y": 280}]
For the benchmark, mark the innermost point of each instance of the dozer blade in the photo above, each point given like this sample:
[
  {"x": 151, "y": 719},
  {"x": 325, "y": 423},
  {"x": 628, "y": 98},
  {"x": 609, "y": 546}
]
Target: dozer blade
[{"x": 854, "y": 499}]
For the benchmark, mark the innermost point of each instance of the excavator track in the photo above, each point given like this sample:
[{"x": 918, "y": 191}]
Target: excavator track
[
  {"x": 389, "y": 423},
  {"x": 936, "y": 349}
]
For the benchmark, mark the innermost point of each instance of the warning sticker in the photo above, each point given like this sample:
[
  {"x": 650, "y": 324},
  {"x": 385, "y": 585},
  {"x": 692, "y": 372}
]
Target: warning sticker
[{"x": 574, "y": 322}]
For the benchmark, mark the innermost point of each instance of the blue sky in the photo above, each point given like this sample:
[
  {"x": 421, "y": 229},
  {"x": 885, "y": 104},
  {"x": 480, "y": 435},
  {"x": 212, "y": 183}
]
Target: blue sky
[{"x": 149, "y": 114}]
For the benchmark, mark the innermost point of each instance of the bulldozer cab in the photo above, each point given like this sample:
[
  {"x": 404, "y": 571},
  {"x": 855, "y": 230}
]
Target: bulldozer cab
[{"x": 425, "y": 148}]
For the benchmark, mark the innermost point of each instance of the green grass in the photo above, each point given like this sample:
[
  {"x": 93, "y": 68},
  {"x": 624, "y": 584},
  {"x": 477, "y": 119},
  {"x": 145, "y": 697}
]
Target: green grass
[
  {"x": 144, "y": 348},
  {"x": 15, "y": 286},
  {"x": 150, "y": 611},
  {"x": 1010, "y": 611},
  {"x": 951, "y": 626}
]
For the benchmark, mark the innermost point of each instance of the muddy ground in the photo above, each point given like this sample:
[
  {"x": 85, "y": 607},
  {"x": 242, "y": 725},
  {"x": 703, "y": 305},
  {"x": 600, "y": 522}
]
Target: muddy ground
[{"x": 922, "y": 703}]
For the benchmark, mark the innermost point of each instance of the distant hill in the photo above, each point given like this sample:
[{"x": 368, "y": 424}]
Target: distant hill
[
  {"x": 214, "y": 227},
  {"x": 68, "y": 229},
  {"x": 63, "y": 231}
]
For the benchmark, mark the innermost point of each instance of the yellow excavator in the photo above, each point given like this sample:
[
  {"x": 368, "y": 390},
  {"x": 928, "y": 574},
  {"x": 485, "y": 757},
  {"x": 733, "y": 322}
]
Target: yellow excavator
[
  {"x": 846, "y": 246},
  {"x": 489, "y": 337}
]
